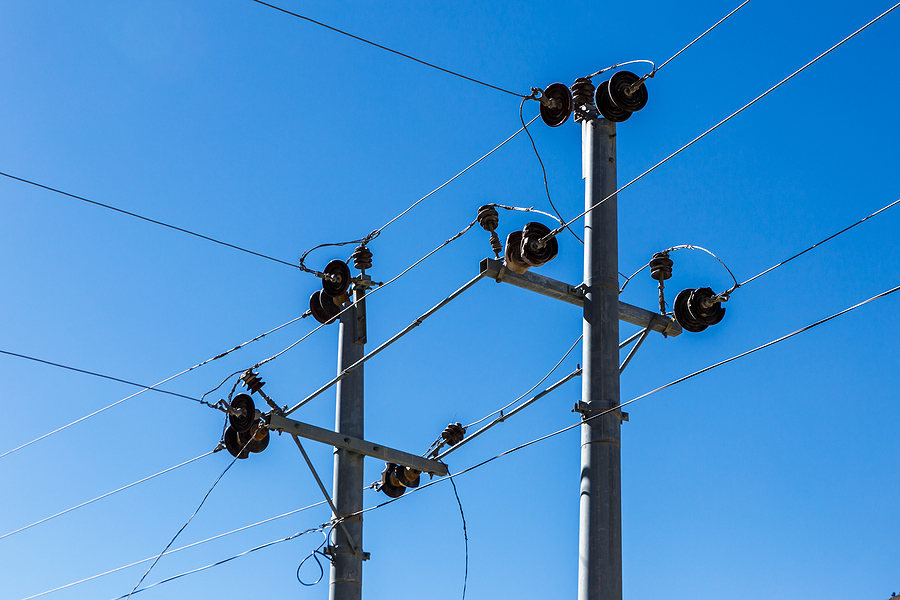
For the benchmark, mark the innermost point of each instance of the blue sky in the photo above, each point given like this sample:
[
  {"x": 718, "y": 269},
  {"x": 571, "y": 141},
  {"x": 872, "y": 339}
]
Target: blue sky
[{"x": 775, "y": 476}]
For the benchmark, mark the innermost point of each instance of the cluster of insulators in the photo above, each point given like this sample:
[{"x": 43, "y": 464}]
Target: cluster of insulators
[
  {"x": 246, "y": 432},
  {"x": 695, "y": 309},
  {"x": 325, "y": 304},
  {"x": 524, "y": 249},
  {"x": 624, "y": 93},
  {"x": 396, "y": 478}
]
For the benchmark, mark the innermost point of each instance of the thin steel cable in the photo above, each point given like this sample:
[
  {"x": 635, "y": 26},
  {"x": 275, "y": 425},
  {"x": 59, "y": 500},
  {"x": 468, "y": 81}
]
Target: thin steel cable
[
  {"x": 534, "y": 387},
  {"x": 61, "y": 366},
  {"x": 543, "y": 170},
  {"x": 366, "y": 295},
  {"x": 698, "y": 38},
  {"x": 194, "y": 514},
  {"x": 449, "y": 181},
  {"x": 154, "y": 386},
  {"x": 816, "y": 245},
  {"x": 371, "y": 43},
  {"x": 106, "y": 495},
  {"x": 529, "y": 209},
  {"x": 616, "y": 408},
  {"x": 149, "y": 220},
  {"x": 557, "y": 231},
  {"x": 204, "y": 541},
  {"x": 217, "y": 563}
]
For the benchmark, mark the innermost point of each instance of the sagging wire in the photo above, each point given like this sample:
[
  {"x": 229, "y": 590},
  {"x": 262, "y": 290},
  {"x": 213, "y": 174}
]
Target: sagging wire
[
  {"x": 543, "y": 170},
  {"x": 675, "y": 249},
  {"x": 465, "y": 532},
  {"x": 559, "y": 230},
  {"x": 315, "y": 555},
  {"x": 363, "y": 241},
  {"x": 220, "y": 562},
  {"x": 191, "y": 518},
  {"x": 191, "y": 545},
  {"x": 216, "y": 406},
  {"x": 107, "y": 494}
]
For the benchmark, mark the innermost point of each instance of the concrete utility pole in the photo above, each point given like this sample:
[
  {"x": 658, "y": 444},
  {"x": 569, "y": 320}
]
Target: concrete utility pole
[
  {"x": 600, "y": 524},
  {"x": 347, "y": 554}
]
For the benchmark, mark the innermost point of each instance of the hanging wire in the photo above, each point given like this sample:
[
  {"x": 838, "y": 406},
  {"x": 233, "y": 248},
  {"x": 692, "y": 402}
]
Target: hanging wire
[
  {"x": 106, "y": 495},
  {"x": 204, "y": 541},
  {"x": 543, "y": 170},
  {"x": 559, "y": 230},
  {"x": 371, "y": 43},
  {"x": 217, "y": 563},
  {"x": 674, "y": 249},
  {"x": 465, "y": 532},
  {"x": 528, "y": 210},
  {"x": 314, "y": 555},
  {"x": 166, "y": 380}
]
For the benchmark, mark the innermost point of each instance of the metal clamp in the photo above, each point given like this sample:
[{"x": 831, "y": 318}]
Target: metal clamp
[{"x": 585, "y": 409}]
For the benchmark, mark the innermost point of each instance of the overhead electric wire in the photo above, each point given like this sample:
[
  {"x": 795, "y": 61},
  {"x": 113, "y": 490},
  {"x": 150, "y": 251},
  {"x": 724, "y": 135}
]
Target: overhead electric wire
[
  {"x": 191, "y": 545},
  {"x": 699, "y": 37},
  {"x": 106, "y": 495},
  {"x": 61, "y": 366},
  {"x": 465, "y": 533},
  {"x": 816, "y": 245},
  {"x": 217, "y": 563},
  {"x": 371, "y": 43},
  {"x": 149, "y": 220},
  {"x": 559, "y": 230},
  {"x": 154, "y": 386},
  {"x": 623, "y": 404}
]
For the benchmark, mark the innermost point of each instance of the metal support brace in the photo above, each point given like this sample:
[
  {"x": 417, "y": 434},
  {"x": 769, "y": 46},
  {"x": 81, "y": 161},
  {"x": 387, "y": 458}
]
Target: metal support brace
[{"x": 637, "y": 345}]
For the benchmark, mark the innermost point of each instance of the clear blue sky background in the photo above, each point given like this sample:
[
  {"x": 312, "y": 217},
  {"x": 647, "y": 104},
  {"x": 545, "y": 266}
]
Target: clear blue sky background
[{"x": 776, "y": 476}]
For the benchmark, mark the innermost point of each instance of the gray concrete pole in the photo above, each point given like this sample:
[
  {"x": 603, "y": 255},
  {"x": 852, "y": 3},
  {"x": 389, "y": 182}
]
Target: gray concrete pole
[
  {"x": 600, "y": 525},
  {"x": 346, "y": 570}
]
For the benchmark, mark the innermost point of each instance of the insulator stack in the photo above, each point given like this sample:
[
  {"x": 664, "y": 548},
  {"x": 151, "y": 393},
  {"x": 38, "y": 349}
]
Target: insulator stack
[
  {"x": 362, "y": 258},
  {"x": 453, "y": 434},
  {"x": 695, "y": 310},
  {"x": 556, "y": 104},
  {"x": 395, "y": 479},
  {"x": 583, "y": 92},
  {"x": 489, "y": 221},
  {"x": 252, "y": 381},
  {"x": 241, "y": 443},
  {"x": 620, "y": 96},
  {"x": 337, "y": 278},
  {"x": 661, "y": 266},
  {"x": 534, "y": 251}
]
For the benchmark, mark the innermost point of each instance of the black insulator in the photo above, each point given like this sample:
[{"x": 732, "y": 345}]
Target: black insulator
[
  {"x": 256, "y": 439},
  {"x": 609, "y": 109},
  {"x": 513, "y": 253},
  {"x": 556, "y": 104},
  {"x": 233, "y": 444},
  {"x": 389, "y": 484},
  {"x": 695, "y": 310},
  {"x": 583, "y": 92},
  {"x": 323, "y": 307},
  {"x": 488, "y": 217},
  {"x": 496, "y": 246},
  {"x": 453, "y": 434},
  {"x": 407, "y": 477},
  {"x": 661, "y": 266},
  {"x": 242, "y": 404},
  {"x": 252, "y": 381},
  {"x": 620, "y": 91},
  {"x": 337, "y": 279},
  {"x": 362, "y": 258},
  {"x": 535, "y": 252}
]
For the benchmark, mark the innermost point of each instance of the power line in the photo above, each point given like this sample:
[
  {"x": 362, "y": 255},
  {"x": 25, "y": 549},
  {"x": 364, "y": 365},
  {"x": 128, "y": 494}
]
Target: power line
[
  {"x": 68, "y": 368},
  {"x": 154, "y": 386},
  {"x": 217, "y": 563},
  {"x": 465, "y": 534},
  {"x": 149, "y": 220},
  {"x": 204, "y": 541},
  {"x": 697, "y": 39},
  {"x": 559, "y": 230},
  {"x": 623, "y": 404},
  {"x": 106, "y": 495},
  {"x": 371, "y": 43}
]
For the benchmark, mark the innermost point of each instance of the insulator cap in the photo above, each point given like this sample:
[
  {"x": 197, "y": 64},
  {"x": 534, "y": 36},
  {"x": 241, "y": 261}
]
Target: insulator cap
[
  {"x": 233, "y": 444},
  {"x": 583, "y": 92},
  {"x": 242, "y": 422},
  {"x": 488, "y": 217},
  {"x": 338, "y": 280},
  {"x": 362, "y": 258},
  {"x": 556, "y": 104},
  {"x": 609, "y": 109},
  {"x": 324, "y": 308},
  {"x": 661, "y": 266},
  {"x": 453, "y": 434},
  {"x": 621, "y": 94}
]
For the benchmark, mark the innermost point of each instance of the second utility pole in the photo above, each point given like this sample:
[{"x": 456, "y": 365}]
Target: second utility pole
[{"x": 600, "y": 523}]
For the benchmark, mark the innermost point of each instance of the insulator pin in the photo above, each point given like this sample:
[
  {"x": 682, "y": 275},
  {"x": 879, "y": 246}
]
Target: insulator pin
[{"x": 453, "y": 434}]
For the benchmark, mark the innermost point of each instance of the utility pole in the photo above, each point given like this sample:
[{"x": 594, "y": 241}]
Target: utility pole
[
  {"x": 347, "y": 554},
  {"x": 600, "y": 521}
]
